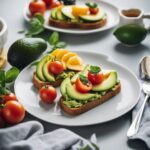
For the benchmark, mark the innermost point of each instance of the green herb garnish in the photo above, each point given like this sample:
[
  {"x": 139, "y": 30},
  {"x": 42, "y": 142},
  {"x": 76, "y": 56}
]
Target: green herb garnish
[
  {"x": 54, "y": 38},
  {"x": 7, "y": 77},
  {"x": 95, "y": 69},
  {"x": 11, "y": 74},
  {"x": 54, "y": 41},
  {"x": 91, "y": 5},
  {"x": 36, "y": 25},
  {"x": 83, "y": 78}
]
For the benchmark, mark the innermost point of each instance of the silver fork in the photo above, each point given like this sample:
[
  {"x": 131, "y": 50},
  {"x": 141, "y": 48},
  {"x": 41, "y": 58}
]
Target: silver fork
[{"x": 136, "y": 122}]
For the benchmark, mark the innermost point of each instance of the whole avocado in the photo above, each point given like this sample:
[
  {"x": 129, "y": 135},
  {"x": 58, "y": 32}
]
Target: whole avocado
[
  {"x": 25, "y": 50},
  {"x": 131, "y": 34}
]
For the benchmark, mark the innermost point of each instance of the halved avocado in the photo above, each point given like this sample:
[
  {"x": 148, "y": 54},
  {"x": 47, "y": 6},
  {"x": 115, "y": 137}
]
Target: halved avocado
[
  {"x": 48, "y": 76},
  {"x": 94, "y": 18},
  {"x": 53, "y": 13},
  {"x": 67, "y": 11},
  {"x": 107, "y": 84},
  {"x": 39, "y": 68},
  {"x": 75, "y": 95}
]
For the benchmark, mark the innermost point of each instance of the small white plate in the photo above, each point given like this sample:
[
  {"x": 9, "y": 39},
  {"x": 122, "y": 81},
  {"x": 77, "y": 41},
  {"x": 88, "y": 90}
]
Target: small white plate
[
  {"x": 112, "y": 18},
  {"x": 27, "y": 94}
]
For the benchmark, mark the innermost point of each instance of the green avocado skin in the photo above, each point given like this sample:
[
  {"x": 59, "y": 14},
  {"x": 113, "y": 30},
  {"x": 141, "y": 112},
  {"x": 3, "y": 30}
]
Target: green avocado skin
[
  {"x": 24, "y": 51},
  {"x": 131, "y": 34}
]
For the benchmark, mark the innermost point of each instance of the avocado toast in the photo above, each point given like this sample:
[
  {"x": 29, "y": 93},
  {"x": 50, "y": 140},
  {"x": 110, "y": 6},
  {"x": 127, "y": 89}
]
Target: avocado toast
[
  {"x": 75, "y": 16},
  {"x": 75, "y": 102},
  {"x": 53, "y": 68}
]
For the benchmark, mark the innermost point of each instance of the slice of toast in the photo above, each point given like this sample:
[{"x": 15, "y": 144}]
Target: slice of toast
[
  {"x": 67, "y": 25},
  {"x": 89, "y": 105},
  {"x": 38, "y": 83}
]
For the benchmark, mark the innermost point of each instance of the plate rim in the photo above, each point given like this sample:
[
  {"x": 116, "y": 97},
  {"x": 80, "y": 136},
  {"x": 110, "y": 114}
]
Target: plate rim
[
  {"x": 111, "y": 60},
  {"x": 72, "y": 31}
]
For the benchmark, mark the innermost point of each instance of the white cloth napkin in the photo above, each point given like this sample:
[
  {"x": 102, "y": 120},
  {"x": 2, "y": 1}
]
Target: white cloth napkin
[
  {"x": 144, "y": 130},
  {"x": 30, "y": 136}
]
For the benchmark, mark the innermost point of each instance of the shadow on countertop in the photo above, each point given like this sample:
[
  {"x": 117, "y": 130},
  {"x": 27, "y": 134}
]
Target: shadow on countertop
[{"x": 131, "y": 50}]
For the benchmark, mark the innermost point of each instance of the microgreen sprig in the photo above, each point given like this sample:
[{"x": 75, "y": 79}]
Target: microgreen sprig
[
  {"x": 95, "y": 69},
  {"x": 91, "y": 5}
]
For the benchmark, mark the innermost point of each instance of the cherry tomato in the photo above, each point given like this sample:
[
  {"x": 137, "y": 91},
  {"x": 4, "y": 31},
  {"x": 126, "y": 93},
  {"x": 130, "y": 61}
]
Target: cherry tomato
[
  {"x": 9, "y": 97},
  {"x": 37, "y": 6},
  {"x": 94, "y": 11},
  {"x": 13, "y": 112},
  {"x": 2, "y": 122},
  {"x": 55, "y": 3},
  {"x": 81, "y": 87},
  {"x": 48, "y": 2},
  {"x": 48, "y": 94},
  {"x": 55, "y": 67},
  {"x": 95, "y": 78}
]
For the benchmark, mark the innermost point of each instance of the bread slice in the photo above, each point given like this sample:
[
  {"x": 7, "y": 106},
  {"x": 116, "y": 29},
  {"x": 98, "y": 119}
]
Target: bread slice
[
  {"x": 89, "y": 105},
  {"x": 38, "y": 83},
  {"x": 67, "y": 25}
]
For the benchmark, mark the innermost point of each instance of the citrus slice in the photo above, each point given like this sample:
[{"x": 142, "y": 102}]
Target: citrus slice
[
  {"x": 75, "y": 63},
  {"x": 66, "y": 57},
  {"x": 54, "y": 53},
  {"x": 79, "y": 10},
  {"x": 61, "y": 53}
]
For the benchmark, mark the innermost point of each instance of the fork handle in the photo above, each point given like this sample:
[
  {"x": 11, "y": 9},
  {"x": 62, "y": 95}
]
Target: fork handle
[{"x": 136, "y": 122}]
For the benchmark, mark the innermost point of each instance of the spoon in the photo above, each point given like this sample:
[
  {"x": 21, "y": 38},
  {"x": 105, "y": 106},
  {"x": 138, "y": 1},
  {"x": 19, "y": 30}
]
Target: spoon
[
  {"x": 136, "y": 122},
  {"x": 145, "y": 74}
]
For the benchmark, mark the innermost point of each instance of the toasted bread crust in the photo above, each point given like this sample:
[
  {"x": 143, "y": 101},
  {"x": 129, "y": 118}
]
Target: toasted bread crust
[
  {"x": 38, "y": 83},
  {"x": 89, "y": 105},
  {"x": 66, "y": 25}
]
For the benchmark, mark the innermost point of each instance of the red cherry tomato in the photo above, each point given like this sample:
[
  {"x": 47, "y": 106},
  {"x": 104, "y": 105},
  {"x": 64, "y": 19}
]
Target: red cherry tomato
[
  {"x": 9, "y": 97},
  {"x": 81, "y": 87},
  {"x": 13, "y": 112},
  {"x": 48, "y": 2},
  {"x": 55, "y": 67},
  {"x": 95, "y": 78},
  {"x": 37, "y": 6},
  {"x": 55, "y": 4},
  {"x": 94, "y": 11},
  {"x": 48, "y": 94}
]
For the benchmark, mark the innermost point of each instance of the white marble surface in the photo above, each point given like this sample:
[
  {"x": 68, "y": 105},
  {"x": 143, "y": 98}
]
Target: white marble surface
[{"x": 111, "y": 135}]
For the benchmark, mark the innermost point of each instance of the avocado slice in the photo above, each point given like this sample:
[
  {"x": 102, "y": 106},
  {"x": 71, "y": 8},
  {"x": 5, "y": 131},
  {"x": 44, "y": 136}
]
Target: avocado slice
[
  {"x": 39, "y": 68},
  {"x": 67, "y": 12},
  {"x": 48, "y": 76},
  {"x": 94, "y": 18},
  {"x": 74, "y": 94},
  {"x": 53, "y": 13},
  {"x": 107, "y": 84},
  {"x": 63, "y": 86},
  {"x": 59, "y": 15},
  {"x": 84, "y": 72}
]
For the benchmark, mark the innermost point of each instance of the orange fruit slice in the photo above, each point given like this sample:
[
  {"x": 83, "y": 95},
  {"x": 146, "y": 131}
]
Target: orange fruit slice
[
  {"x": 54, "y": 53},
  {"x": 75, "y": 63},
  {"x": 66, "y": 57},
  {"x": 61, "y": 53},
  {"x": 79, "y": 10}
]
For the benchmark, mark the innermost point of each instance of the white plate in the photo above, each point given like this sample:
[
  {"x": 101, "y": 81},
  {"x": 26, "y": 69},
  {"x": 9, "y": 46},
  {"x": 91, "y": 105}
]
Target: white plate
[
  {"x": 112, "y": 18},
  {"x": 27, "y": 94}
]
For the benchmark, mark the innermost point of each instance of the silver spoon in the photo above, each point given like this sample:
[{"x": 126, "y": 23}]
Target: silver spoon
[
  {"x": 136, "y": 122},
  {"x": 145, "y": 74}
]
